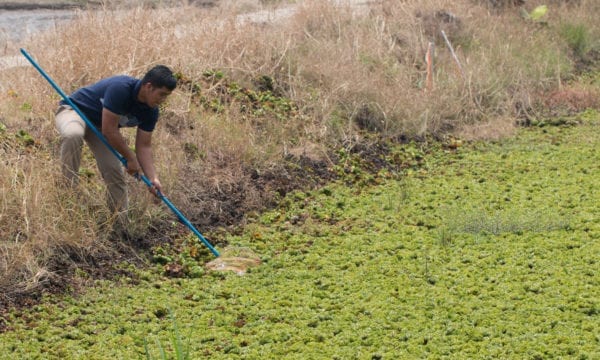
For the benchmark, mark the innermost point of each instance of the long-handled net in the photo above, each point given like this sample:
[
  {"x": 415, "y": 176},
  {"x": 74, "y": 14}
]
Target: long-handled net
[
  {"x": 98, "y": 133},
  {"x": 231, "y": 259}
]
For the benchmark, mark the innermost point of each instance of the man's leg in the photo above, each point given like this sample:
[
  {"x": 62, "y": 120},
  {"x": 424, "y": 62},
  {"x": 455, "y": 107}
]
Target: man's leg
[
  {"x": 114, "y": 176},
  {"x": 72, "y": 129}
]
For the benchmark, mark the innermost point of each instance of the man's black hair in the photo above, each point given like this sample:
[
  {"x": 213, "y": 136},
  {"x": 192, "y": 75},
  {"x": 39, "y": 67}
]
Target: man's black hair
[{"x": 160, "y": 76}]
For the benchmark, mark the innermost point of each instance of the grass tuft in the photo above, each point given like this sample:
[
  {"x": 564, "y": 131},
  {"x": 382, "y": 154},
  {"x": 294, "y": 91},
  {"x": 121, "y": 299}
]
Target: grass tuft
[{"x": 177, "y": 346}]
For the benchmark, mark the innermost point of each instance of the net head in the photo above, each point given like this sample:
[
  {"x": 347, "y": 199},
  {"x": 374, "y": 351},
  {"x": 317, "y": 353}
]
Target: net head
[{"x": 236, "y": 259}]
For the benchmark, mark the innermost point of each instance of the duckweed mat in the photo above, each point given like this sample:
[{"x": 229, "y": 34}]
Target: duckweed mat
[{"x": 487, "y": 251}]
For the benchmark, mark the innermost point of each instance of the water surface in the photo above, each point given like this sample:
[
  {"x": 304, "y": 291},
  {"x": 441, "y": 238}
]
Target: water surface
[{"x": 17, "y": 25}]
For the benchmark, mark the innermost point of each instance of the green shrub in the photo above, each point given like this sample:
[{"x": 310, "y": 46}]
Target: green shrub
[{"x": 577, "y": 37}]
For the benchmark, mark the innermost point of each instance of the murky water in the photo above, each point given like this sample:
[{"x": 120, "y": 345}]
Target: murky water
[{"x": 16, "y": 25}]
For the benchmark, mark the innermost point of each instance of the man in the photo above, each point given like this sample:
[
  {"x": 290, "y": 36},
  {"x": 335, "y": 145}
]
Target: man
[{"x": 112, "y": 103}]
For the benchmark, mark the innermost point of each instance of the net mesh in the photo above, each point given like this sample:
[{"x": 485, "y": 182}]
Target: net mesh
[{"x": 236, "y": 259}]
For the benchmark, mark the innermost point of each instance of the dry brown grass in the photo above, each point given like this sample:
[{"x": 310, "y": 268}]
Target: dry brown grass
[
  {"x": 347, "y": 70},
  {"x": 39, "y": 225}
]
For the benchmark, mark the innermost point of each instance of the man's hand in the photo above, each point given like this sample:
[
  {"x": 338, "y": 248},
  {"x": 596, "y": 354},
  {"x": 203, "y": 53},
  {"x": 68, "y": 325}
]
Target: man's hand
[
  {"x": 156, "y": 187},
  {"x": 133, "y": 167}
]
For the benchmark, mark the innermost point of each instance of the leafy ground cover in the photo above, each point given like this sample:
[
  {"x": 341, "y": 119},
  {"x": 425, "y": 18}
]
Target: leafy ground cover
[{"x": 487, "y": 250}]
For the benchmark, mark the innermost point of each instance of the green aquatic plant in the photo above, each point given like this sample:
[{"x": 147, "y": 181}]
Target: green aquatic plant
[{"x": 490, "y": 252}]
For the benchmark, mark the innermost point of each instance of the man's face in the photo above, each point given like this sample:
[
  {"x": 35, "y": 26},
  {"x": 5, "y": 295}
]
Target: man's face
[{"x": 154, "y": 96}]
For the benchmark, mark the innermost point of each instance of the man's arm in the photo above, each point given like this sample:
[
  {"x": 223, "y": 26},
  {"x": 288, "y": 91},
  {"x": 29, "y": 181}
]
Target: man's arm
[
  {"x": 110, "y": 130},
  {"x": 143, "y": 149}
]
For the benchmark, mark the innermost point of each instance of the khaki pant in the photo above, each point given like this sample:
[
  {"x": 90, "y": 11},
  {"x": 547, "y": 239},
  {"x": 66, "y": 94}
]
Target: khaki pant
[{"x": 73, "y": 131}]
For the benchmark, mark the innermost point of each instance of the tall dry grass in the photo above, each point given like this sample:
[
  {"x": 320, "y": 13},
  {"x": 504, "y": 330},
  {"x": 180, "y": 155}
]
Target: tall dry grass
[
  {"x": 348, "y": 70},
  {"x": 39, "y": 226}
]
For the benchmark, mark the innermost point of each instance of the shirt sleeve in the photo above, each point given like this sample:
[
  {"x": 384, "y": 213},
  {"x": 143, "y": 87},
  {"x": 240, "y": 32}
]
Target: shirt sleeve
[{"x": 150, "y": 122}]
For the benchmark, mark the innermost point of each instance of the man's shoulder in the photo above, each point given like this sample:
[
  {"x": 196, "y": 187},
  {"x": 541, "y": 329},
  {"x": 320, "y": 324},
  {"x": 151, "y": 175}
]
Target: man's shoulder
[
  {"x": 118, "y": 89},
  {"x": 121, "y": 78},
  {"x": 120, "y": 81}
]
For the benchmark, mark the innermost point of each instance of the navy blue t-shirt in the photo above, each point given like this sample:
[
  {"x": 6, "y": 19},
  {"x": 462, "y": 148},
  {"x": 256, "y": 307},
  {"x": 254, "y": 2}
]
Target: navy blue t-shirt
[{"x": 119, "y": 95}]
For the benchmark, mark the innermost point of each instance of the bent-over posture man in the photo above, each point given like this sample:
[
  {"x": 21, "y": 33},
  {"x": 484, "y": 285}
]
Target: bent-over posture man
[{"x": 112, "y": 103}]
